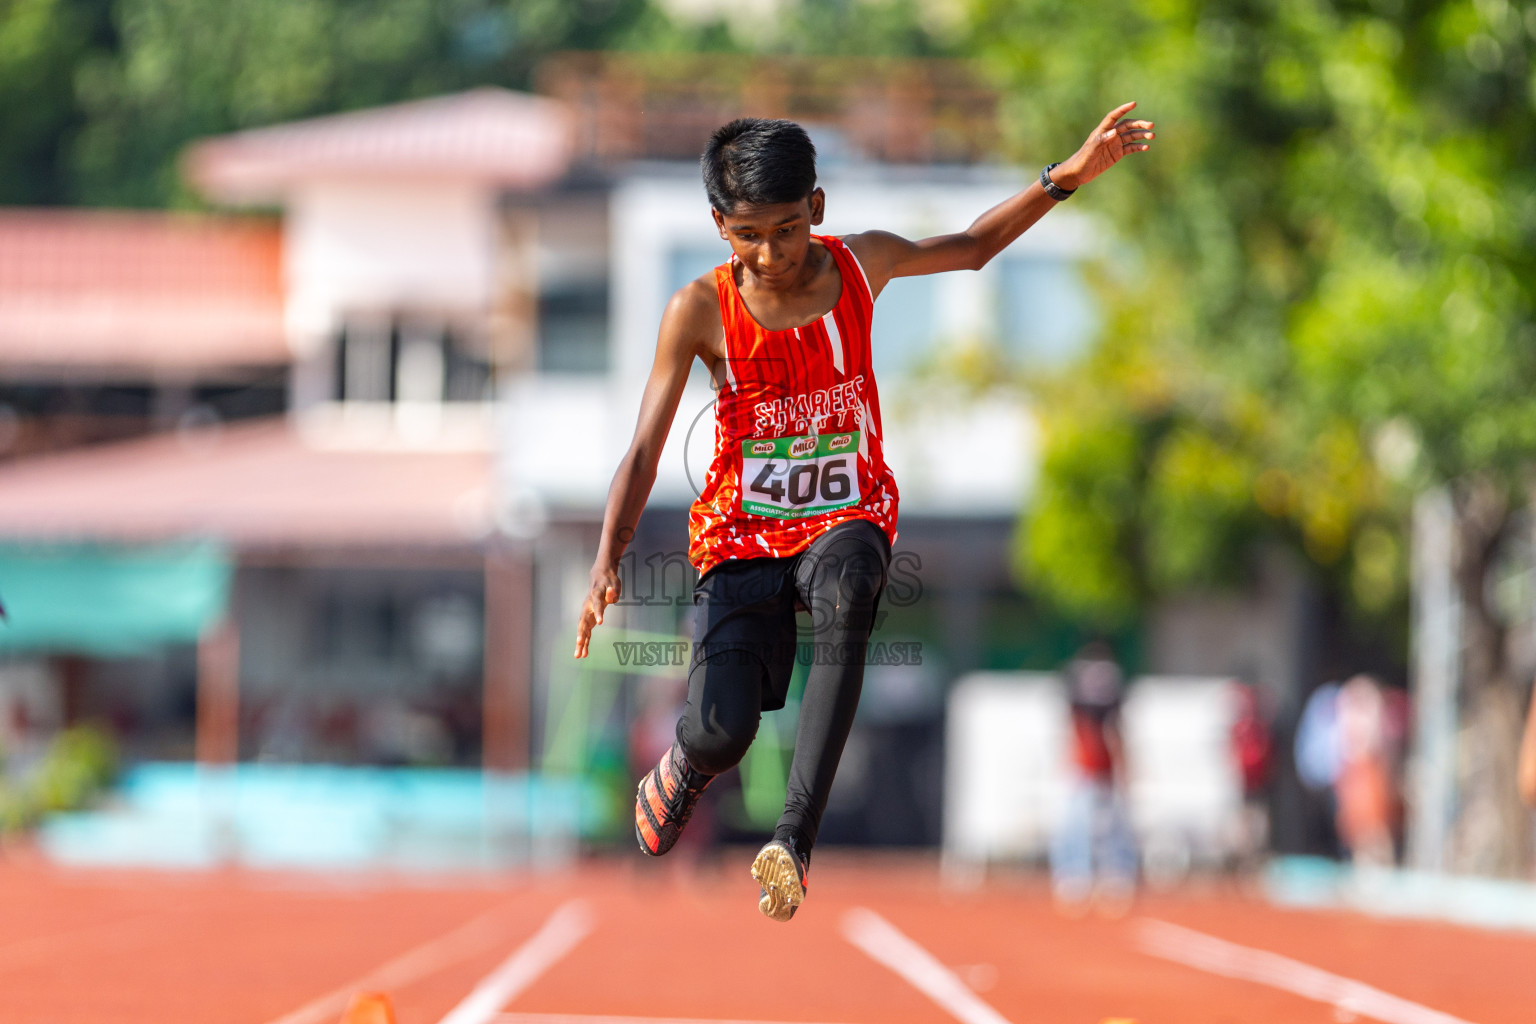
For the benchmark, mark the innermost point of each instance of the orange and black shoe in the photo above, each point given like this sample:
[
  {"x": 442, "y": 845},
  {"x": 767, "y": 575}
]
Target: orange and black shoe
[
  {"x": 665, "y": 801},
  {"x": 780, "y": 871}
]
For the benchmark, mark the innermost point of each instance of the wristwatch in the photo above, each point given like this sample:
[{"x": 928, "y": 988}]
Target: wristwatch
[{"x": 1052, "y": 189}]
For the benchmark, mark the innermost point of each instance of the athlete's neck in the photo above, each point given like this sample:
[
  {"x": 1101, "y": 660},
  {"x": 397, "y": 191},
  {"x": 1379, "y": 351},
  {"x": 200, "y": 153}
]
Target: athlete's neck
[{"x": 807, "y": 296}]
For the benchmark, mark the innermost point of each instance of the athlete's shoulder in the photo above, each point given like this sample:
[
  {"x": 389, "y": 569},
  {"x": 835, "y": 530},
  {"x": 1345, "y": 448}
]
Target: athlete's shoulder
[
  {"x": 873, "y": 245},
  {"x": 691, "y": 323},
  {"x": 699, "y": 299},
  {"x": 877, "y": 252}
]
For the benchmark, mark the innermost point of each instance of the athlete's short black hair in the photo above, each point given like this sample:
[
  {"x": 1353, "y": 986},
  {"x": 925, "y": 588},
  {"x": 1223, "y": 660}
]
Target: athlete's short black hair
[{"x": 758, "y": 161}]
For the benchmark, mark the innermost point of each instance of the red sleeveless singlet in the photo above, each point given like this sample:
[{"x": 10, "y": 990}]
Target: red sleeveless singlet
[{"x": 797, "y": 429}]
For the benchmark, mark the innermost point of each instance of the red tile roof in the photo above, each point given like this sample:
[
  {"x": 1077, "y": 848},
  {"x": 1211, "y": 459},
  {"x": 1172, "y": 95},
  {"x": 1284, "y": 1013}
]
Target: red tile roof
[
  {"x": 93, "y": 290},
  {"x": 491, "y": 135},
  {"x": 252, "y": 484}
]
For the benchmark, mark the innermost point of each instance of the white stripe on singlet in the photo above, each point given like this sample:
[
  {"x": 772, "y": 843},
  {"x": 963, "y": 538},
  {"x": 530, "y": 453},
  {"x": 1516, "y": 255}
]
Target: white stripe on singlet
[
  {"x": 836, "y": 339},
  {"x": 867, "y": 289}
]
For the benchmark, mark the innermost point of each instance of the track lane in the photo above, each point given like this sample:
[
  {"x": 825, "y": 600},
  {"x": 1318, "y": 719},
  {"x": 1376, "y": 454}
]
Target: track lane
[
  {"x": 694, "y": 947},
  {"x": 686, "y": 943},
  {"x": 1479, "y": 975}
]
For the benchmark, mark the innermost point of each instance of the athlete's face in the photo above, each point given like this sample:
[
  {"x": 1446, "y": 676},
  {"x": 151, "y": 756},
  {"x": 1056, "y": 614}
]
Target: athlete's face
[{"x": 772, "y": 240}]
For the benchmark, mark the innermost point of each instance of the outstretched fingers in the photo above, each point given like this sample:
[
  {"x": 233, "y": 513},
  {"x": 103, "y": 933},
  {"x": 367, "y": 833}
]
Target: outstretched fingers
[
  {"x": 1115, "y": 115},
  {"x": 592, "y": 616},
  {"x": 1134, "y": 136},
  {"x": 1114, "y": 137}
]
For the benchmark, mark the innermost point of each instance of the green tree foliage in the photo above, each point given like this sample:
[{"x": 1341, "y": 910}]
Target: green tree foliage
[
  {"x": 190, "y": 68},
  {"x": 78, "y": 764},
  {"x": 1330, "y": 301},
  {"x": 102, "y": 95},
  {"x": 42, "y": 42},
  {"x": 1321, "y": 288}
]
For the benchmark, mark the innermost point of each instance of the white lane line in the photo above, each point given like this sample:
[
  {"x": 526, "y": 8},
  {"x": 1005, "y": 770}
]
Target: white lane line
[
  {"x": 427, "y": 958},
  {"x": 1217, "y": 956},
  {"x": 603, "y": 1018},
  {"x": 565, "y": 928},
  {"x": 885, "y": 944}
]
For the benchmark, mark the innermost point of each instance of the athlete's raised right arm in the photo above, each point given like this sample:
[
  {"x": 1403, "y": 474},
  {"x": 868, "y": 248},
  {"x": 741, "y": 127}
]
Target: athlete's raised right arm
[
  {"x": 884, "y": 255},
  {"x": 691, "y": 320}
]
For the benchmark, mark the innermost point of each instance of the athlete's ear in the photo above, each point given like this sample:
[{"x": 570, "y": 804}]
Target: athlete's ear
[
  {"x": 818, "y": 205},
  {"x": 720, "y": 223}
]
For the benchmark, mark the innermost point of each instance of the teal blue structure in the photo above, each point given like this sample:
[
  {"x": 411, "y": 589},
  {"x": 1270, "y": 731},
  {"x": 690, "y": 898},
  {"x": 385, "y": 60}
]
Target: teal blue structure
[
  {"x": 110, "y": 601},
  {"x": 328, "y": 817}
]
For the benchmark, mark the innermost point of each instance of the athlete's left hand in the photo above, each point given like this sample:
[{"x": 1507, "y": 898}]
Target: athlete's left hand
[
  {"x": 606, "y": 587},
  {"x": 1115, "y": 136}
]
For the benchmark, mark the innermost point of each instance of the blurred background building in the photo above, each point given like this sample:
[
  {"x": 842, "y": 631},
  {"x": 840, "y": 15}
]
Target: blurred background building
[
  {"x": 376, "y": 428},
  {"x": 315, "y": 476}
]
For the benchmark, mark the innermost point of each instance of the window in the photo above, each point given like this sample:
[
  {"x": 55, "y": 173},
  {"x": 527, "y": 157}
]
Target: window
[
  {"x": 683, "y": 265},
  {"x": 383, "y": 359},
  {"x": 688, "y": 262},
  {"x": 1047, "y": 313},
  {"x": 903, "y": 330},
  {"x": 573, "y": 328},
  {"x": 365, "y": 357}
]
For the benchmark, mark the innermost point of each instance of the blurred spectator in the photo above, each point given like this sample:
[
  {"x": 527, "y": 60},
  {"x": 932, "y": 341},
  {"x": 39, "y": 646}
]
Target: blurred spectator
[
  {"x": 1317, "y": 740},
  {"x": 1366, "y": 790},
  {"x": 1093, "y": 853},
  {"x": 1526, "y": 774},
  {"x": 1252, "y": 750},
  {"x": 1316, "y": 755}
]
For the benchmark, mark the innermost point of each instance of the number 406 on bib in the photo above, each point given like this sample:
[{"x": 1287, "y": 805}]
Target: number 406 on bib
[{"x": 794, "y": 477}]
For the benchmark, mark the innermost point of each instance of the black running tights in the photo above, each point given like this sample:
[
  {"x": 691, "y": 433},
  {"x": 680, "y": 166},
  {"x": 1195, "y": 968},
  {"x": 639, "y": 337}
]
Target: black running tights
[{"x": 746, "y": 647}]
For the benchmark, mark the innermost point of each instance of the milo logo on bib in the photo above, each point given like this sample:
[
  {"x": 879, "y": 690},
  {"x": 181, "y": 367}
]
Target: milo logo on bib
[{"x": 795, "y": 477}]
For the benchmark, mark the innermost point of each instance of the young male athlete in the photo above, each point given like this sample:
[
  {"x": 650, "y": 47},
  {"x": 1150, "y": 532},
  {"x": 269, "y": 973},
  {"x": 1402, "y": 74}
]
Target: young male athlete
[{"x": 798, "y": 510}]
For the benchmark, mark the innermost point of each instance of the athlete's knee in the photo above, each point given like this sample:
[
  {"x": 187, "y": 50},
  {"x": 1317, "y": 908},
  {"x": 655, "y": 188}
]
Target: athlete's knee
[
  {"x": 716, "y": 730},
  {"x": 716, "y": 743},
  {"x": 862, "y": 578}
]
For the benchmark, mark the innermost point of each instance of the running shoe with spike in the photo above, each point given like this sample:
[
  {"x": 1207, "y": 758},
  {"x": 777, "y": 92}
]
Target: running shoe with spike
[
  {"x": 665, "y": 801},
  {"x": 781, "y": 873}
]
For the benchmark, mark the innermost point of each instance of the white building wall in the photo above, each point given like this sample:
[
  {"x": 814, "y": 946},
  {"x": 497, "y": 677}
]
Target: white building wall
[{"x": 383, "y": 246}]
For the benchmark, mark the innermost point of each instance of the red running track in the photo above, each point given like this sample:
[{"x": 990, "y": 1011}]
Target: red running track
[{"x": 681, "y": 942}]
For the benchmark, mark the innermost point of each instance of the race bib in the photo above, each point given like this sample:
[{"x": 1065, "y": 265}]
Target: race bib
[{"x": 794, "y": 477}]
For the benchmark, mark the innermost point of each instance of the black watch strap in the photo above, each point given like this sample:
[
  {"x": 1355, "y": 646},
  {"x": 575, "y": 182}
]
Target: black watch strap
[{"x": 1052, "y": 189}]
